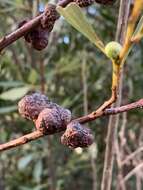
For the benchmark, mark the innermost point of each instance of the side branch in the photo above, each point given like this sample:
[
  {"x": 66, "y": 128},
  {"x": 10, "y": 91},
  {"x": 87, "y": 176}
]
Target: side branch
[
  {"x": 90, "y": 117},
  {"x": 110, "y": 111}
]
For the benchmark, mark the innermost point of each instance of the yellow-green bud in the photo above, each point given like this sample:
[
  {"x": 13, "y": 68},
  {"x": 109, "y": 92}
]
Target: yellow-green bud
[{"x": 113, "y": 49}]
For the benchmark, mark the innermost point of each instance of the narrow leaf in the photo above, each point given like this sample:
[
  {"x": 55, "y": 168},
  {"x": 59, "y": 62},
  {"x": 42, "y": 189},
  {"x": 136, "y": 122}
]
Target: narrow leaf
[
  {"x": 8, "y": 109},
  {"x": 33, "y": 76},
  {"x": 10, "y": 84},
  {"x": 73, "y": 14},
  {"x": 24, "y": 161},
  {"x": 15, "y": 93},
  {"x": 37, "y": 172}
]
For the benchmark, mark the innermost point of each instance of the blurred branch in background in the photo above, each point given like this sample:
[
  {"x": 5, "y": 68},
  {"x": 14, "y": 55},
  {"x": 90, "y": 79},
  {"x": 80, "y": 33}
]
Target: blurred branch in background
[
  {"x": 84, "y": 73},
  {"x": 114, "y": 120}
]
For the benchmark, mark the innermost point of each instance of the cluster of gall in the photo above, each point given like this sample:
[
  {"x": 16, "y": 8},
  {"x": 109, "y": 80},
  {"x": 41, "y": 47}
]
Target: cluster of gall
[{"x": 50, "y": 118}]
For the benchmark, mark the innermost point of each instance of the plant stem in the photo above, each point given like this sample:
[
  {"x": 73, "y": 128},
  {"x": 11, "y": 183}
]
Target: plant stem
[
  {"x": 113, "y": 121},
  {"x": 138, "y": 6}
]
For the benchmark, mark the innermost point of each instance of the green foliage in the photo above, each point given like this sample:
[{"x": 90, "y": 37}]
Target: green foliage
[
  {"x": 15, "y": 93},
  {"x": 24, "y": 161}
]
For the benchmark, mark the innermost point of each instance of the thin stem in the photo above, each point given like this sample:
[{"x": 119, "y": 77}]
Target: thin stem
[
  {"x": 132, "y": 155},
  {"x": 21, "y": 140},
  {"x": 115, "y": 83},
  {"x": 84, "y": 73},
  {"x": 138, "y": 6},
  {"x": 132, "y": 172},
  {"x": 113, "y": 121}
]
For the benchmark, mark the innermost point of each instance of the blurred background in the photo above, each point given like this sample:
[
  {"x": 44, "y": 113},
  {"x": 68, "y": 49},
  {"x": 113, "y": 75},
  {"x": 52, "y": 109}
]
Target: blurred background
[{"x": 75, "y": 74}]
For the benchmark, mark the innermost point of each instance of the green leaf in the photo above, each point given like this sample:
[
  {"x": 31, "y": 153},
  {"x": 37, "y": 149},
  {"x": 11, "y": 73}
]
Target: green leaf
[
  {"x": 15, "y": 93},
  {"x": 25, "y": 188},
  {"x": 33, "y": 76},
  {"x": 37, "y": 172},
  {"x": 73, "y": 14},
  {"x": 8, "y": 109},
  {"x": 10, "y": 84},
  {"x": 3, "y": 135},
  {"x": 37, "y": 187},
  {"x": 24, "y": 161}
]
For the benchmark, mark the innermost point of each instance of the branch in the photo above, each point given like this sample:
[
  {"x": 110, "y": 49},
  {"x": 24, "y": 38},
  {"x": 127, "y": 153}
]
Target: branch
[
  {"x": 21, "y": 140},
  {"x": 110, "y": 111},
  {"x": 90, "y": 117},
  {"x": 132, "y": 155},
  {"x": 132, "y": 172}
]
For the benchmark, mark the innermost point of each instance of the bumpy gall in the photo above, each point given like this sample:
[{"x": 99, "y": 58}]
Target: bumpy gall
[
  {"x": 50, "y": 16},
  {"x": 31, "y": 105},
  {"x": 38, "y": 37},
  {"x": 53, "y": 120},
  {"x": 77, "y": 136}
]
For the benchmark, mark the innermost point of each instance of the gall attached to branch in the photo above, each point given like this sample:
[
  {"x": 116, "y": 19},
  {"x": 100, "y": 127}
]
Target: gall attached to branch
[
  {"x": 77, "y": 136},
  {"x": 50, "y": 16},
  {"x": 53, "y": 120},
  {"x": 38, "y": 37},
  {"x": 31, "y": 105}
]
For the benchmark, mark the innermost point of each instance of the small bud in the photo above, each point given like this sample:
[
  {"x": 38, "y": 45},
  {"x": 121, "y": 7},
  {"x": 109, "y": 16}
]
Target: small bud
[
  {"x": 77, "y": 136},
  {"x": 54, "y": 120},
  {"x": 31, "y": 105},
  {"x": 83, "y": 3},
  {"x": 105, "y": 2},
  {"x": 113, "y": 50}
]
